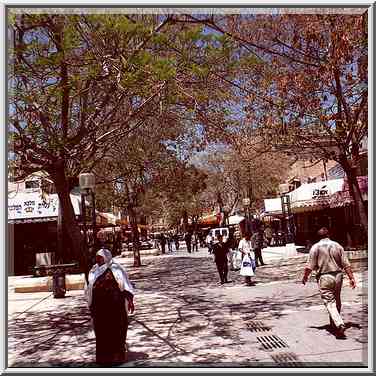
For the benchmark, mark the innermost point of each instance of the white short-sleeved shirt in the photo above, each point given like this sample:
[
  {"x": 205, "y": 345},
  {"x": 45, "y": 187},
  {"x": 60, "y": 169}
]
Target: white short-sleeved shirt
[
  {"x": 327, "y": 256},
  {"x": 245, "y": 246}
]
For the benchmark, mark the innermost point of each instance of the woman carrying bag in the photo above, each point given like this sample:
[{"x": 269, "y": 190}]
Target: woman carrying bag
[{"x": 248, "y": 263}]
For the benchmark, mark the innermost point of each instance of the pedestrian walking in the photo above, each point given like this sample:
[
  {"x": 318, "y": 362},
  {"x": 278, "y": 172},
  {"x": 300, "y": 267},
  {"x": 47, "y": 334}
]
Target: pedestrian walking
[
  {"x": 109, "y": 292},
  {"x": 176, "y": 240},
  {"x": 162, "y": 240},
  {"x": 328, "y": 259},
  {"x": 169, "y": 241},
  {"x": 245, "y": 247},
  {"x": 268, "y": 232},
  {"x": 220, "y": 251},
  {"x": 257, "y": 241},
  {"x": 188, "y": 239},
  {"x": 209, "y": 242},
  {"x": 195, "y": 242},
  {"x": 201, "y": 239}
]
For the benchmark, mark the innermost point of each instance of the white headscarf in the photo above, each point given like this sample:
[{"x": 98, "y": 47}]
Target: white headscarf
[{"x": 118, "y": 271}]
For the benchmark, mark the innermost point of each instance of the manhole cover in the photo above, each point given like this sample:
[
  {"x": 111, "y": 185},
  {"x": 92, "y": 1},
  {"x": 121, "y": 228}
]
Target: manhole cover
[
  {"x": 272, "y": 342},
  {"x": 287, "y": 360},
  {"x": 257, "y": 326}
]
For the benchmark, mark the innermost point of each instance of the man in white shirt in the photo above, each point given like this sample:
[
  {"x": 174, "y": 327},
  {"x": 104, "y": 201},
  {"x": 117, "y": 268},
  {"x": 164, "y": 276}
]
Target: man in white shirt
[
  {"x": 245, "y": 247},
  {"x": 329, "y": 260}
]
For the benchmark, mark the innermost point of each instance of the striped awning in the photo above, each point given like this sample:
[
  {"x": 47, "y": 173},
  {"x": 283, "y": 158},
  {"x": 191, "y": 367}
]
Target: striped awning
[
  {"x": 310, "y": 205},
  {"x": 343, "y": 197}
]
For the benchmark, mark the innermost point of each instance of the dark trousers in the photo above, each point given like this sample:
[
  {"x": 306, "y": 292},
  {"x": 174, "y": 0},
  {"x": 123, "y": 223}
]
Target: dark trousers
[
  {"x": 222, "y": 270},
  {"x": 188, "y": 246},
  {"x": 258, "y": 257}
]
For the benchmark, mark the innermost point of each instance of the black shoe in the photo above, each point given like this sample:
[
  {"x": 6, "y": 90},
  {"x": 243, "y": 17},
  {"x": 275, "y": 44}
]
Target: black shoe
[{"x": 340, "y": 334}]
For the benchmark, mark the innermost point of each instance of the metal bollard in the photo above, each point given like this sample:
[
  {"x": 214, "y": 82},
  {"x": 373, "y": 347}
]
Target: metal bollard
[{"x": 58, "y": 284}]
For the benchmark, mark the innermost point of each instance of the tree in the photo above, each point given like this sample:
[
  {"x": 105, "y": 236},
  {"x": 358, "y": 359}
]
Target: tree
[
  {"x": 240, "y": 170},
  {"x": 308, "y": 92},
  {"x": 80, "y": 83}
]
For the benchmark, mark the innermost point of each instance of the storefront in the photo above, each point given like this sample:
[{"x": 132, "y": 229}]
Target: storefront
[
  {"x": 328, "y": 204},
  {"x": 32, "y": 229}
]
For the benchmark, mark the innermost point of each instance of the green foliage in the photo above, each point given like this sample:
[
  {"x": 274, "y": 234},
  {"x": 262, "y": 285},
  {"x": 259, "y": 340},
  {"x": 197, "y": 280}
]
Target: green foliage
[{"x": 164, "y": 69}]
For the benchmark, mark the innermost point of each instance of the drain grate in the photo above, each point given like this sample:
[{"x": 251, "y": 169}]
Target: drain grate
[
  {"x": 287, "y": 360},
  {"x": 272, "y": 342},
  {"x": 257, "y": 326}
]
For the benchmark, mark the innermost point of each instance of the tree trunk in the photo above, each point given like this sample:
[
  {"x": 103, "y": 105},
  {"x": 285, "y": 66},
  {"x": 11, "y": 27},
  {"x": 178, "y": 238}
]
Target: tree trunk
[
  {"x": 185, "y": 221},
  {"x": 70, "y": 222},
  {"x": 355, "y": 193},
  {"x": 60, "y": 257},
  {"x": 136, "y": 238}
]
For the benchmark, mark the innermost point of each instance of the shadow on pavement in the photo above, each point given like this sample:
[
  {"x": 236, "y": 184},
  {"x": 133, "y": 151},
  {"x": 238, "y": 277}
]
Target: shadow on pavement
[
  {"x": 182, "y": 315},
  {"x": 52, "y": 332}
]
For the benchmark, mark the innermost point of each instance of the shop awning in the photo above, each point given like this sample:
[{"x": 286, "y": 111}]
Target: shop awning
[
  {"x": 31, "y": 220},
  {"x": 308, "y": 197},
  {"x": 210, "y": 219},
  {"x": 235, "y": 219},
  {"x": 343, "y": 197}
]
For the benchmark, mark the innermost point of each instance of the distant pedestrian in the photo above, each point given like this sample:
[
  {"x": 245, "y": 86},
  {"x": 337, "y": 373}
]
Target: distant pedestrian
[
  {"x": 245, "y": 247},
  {"x": 201, "y": 239},
  {"x": 257, "y": 241},
  {"x": 176, "y": 240},
  {"x": 328, "y": 259},
  {"x": 268, "y": 233},
  {"x": 162, "y": 240},
  {"x": 209, "y": 242},
  {"x": 169, "y": 241},
  {"x": 195, "y": 241},
  {"x": 107, "y": 292},
  {"x": 188, "y": 239},
  {"x": 220, "y": 251},
  {"x": 280, "y": 238}
]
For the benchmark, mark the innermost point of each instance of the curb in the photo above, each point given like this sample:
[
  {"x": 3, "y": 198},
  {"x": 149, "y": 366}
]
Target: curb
[
  {"x": 143, "y": 252},
  {"x": 44, "y": 284}
]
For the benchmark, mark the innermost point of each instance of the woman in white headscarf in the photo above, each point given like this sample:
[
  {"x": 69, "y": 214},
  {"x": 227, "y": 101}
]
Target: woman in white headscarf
[{"x": 109, "y": 292}]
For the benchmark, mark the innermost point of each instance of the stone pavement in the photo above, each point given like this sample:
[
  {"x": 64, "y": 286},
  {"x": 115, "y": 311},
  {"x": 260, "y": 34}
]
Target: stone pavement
[{"x": 184, "y": 318}]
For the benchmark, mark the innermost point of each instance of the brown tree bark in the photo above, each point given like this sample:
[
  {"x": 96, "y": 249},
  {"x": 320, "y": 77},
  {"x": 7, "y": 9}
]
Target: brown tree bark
[
  {"x": 355, "y": 192},
  {"x": 136, "y": 238},
  {"x": 67, "y": 212}
]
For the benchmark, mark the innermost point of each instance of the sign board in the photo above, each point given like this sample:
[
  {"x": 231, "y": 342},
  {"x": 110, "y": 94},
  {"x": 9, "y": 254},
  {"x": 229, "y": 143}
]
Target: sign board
[{"x": 32, "y": 205}]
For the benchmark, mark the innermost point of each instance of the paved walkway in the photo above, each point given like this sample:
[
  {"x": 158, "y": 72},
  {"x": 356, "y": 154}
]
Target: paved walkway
[{"x": 184, "y": 318}]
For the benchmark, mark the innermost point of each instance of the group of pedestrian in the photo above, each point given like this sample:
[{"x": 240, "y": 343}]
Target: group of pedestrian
[
  {"x": 192, "y": 241},
  {"x": 110, "y": 293},
  {"x": 247, "y": 254},
  {"x": 170, "y": 239}
]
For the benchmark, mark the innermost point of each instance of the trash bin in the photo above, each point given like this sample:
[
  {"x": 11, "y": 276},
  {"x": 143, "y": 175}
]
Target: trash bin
[{"x": 58, "y": 284}]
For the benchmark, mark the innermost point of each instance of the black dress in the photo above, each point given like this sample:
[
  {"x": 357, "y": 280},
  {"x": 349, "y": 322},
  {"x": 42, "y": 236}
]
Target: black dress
[{"x": 110, "y": 319}]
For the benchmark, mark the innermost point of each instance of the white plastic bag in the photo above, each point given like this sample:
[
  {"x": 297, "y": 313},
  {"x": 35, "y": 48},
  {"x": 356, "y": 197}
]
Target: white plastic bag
[{"x": 246, "y": 269}]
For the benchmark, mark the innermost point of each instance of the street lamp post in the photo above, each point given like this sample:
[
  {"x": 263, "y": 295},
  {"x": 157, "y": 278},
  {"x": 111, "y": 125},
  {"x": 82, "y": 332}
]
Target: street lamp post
[
  {"x": 286, "y": 212},
  {"x": 87, "y": 185},
  {"x": 247, "y": 208}
]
